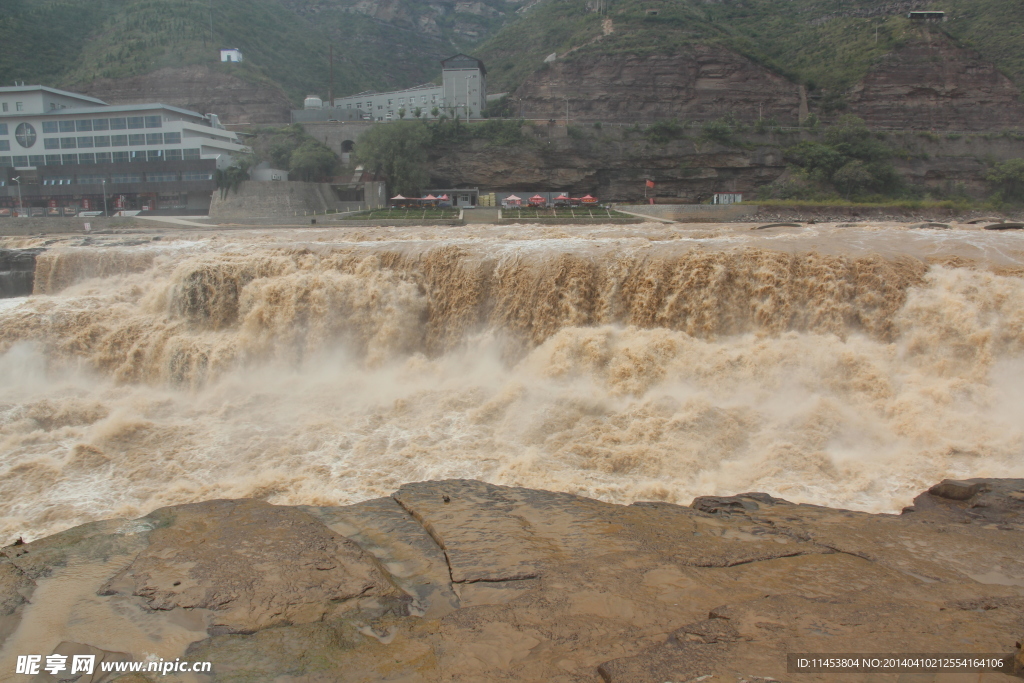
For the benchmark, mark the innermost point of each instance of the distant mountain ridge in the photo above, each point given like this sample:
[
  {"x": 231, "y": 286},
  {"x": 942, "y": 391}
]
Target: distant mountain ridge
[{"x": 108, "y": 47}]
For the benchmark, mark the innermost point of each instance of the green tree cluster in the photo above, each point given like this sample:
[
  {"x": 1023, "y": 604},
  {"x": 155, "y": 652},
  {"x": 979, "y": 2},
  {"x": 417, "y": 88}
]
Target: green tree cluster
[
  {"x": 850, "y": 160},
  {"x": 294, "y": 149},
  {"x": 1007, "y": 181},
  {"x": 398, "y": 151}
]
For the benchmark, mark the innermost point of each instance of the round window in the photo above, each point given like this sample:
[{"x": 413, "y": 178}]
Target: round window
[{"x": 25, "y": 134}]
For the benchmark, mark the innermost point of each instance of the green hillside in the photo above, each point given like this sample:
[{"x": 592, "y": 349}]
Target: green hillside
[
  {"x": 70, "y": 42},
  {"x": 825, "y": 44}
]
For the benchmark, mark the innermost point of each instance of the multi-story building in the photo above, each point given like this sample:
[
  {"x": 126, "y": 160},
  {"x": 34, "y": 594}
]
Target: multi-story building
[
  {"x": 462, "y": 93},
  {"x": 61, "y": 152}
]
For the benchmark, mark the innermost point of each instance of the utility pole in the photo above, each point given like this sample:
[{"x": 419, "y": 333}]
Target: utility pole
[
  {"x": 21, "y": 207},
  {"x": 566, "y": 98},
  {"x": 211, "y": 22},
  {"x": 330, "y": 87},
  {"x": 467, "y": 98},
  {"x": 104, "y": 196}
]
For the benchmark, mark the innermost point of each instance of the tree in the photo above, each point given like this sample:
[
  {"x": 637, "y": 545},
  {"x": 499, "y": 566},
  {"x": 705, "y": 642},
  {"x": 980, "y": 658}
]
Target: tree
[
  {"x": 434, "y": 112},
  {"x": 397, "y": 151},
  {"x": 312, "y": 161},
  {"x": 417, "y": 112},
  {"x": 854, "y": 176},
  {"x": 1007, "y": 179},
  {"x": 401, "y": 112},
  {"x": 232, "y": 177}
]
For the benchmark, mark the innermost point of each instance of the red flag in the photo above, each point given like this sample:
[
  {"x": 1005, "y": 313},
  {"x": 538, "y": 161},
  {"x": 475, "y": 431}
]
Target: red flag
[{"x": 650, "y": 183}]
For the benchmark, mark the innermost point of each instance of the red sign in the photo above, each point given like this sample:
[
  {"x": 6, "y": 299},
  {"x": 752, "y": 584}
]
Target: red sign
[
  {"x": 85, "y": 204},
  {"x": 53, "y": 203},
  {"x": 650, "y": 183}
]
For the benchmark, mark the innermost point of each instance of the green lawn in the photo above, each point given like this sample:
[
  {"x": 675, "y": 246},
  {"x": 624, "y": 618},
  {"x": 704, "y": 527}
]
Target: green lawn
[
  {"x": 574, "y": 212},
  {"x": 404, "y": 214}
]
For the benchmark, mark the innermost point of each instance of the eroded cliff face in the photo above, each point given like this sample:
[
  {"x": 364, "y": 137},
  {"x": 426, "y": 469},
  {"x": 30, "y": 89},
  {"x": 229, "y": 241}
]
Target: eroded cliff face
[
  {"x": 199, "y": 88},
  {"x": 613, "y": 162},
  {"x": 933, "y": 84},
  {"x": 702, "y": 82}
]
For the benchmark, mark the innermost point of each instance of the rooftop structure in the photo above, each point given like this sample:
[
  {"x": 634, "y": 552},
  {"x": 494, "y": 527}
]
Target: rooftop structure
[
  {"x": 462, "y": 93},
  {"x": 64, "y": 148}
]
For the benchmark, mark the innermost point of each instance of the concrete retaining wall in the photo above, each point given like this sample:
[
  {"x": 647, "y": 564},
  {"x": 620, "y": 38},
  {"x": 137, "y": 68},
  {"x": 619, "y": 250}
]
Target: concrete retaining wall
[
  {"x": 273, "y": 199},
  {"x": 18, "y": 227},
  {"x": 692, "y": 213},
  {"x": 395, "y": 223}
]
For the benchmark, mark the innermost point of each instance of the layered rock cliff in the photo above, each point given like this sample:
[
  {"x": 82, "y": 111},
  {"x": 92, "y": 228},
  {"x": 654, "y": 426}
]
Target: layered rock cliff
[
  {"x": 699, "y": 82},
  {"x": 931, "y": 83},
  {"x": 459, "y": 580}
]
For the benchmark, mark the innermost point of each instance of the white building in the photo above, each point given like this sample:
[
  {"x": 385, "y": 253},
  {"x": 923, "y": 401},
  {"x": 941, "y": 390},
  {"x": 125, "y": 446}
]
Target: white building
[
  {"x": 230, "y": 54},
  {"x": 52, "y": 137},
  {"x": 462, "y": 93}
]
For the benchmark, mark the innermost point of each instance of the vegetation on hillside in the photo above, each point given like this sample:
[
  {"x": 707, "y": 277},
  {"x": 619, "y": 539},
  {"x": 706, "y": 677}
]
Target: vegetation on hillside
[
  {"x": 293, "y": 149},
  {"x": 65, "y": 43},
  {"x": 824, "y": 45}
]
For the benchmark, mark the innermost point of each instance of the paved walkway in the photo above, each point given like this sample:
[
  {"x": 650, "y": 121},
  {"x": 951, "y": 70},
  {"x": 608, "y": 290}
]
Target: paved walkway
[
  {"x": 178, "y": 221},
  {"x": 480, "y": 215}
]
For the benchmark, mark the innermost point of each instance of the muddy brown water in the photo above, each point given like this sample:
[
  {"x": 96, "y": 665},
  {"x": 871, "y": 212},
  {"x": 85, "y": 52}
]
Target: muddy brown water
[{"x": 851, "y": 367}]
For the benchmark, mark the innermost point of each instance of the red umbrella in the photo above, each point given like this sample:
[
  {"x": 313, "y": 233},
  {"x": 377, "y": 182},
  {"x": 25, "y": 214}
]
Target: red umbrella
[
  {"x": 430, "y": 196},
  {"x": 587, "y": 199},
  {"x": 444, "y": 198},
  {"x": 398, "y": 196},
  {"x": 561, "y": 196}
]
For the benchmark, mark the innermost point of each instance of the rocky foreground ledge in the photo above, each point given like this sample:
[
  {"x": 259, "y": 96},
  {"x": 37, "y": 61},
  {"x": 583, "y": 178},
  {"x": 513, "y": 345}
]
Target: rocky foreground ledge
[{"x": 464, "y": 581}]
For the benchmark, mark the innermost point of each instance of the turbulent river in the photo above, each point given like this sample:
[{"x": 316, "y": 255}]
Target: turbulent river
[{"x": 847, "y": 366}]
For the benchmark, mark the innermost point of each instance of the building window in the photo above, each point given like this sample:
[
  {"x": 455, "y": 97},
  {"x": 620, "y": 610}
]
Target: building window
[
  {"x": 118, "y": 140},
  {"x": 171, "y": 138},
  {"x": 101, "y": 124},
  {"x": 5, "y": 109},
  {"x": 19, "y": 106},
  {"x": 69, "y": 158},
  {"x": 5, "y": 145},
  {"x": 137, "y": 139},
  {"x": 20, "y": 162},
  {"x": 91, "y": 178},
  {"x": 66, "y": 126},
  {"x": 139, "y": 155},
  {"x": 25, "y": 134},
  {"x": 172, "y": 154},
  {"x": 89, "y": 158},
  {"x": 161, "y": 177},
  {"x": 119, "y": 157},
  {"x": 154, "y": 138},
  {"x": 349, "y": 105},
  {"x": 126, "y": 177},
  {"x": 53, "y": 160},
  {"x": 369, "y": 105},
  {"x": 136, "y": 122},
  {"x": 155, "y": 155},
  {"x": 3, "y": 128},
  {"x": 102, "y": 140},
  {"x": 51, "y": 143},
  {"x": 102, "y": 157},
  {"x": 190, "y": 154},
  {"x": 57, "y": 180},
  {"x": 6, "y": 161},
  {"x": 154, "y": 122},
  {"x": 50, "y": 127},
  {"x": 36, "y": 160},
  {"x": 85, "y": 141},
  {"x": 68, "y": 143},
  {"x": 196, "y": 175},
  {"x": 118, "y": 124},
  {"x": 85, "y": 124}
]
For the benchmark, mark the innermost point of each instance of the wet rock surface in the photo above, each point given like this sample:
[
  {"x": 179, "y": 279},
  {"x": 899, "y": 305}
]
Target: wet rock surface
[{"x": 458, "y": 580}]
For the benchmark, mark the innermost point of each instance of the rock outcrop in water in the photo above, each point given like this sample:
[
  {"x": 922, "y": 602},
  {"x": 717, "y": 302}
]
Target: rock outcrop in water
[
  {"x": 17, "y": 271},
  {"x": 458, "y": 580}
]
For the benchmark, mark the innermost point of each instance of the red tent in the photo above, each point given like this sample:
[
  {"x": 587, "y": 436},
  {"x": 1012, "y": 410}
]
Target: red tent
[
  {"x": 587, "y": 199},
  {"x": 537, "y": 200},
  {"x": 430, "y": 196},
  {"x": 561, "y": 198},
  {"x": 398, "y": 196},
  {"x": 513, "y": 200}
]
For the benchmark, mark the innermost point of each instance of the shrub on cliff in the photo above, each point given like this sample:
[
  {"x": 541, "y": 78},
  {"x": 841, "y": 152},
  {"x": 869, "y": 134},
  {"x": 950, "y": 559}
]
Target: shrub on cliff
[
  {"x": 1007, "y": 181},
  {"x": 851, "y": 160},
  {"x": 312, "y": 161}
]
